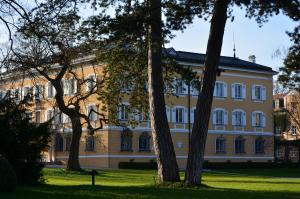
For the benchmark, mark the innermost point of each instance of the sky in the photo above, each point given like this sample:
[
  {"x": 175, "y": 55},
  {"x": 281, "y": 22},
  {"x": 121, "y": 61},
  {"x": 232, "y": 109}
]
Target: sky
[{"x": 250, "y": 39}]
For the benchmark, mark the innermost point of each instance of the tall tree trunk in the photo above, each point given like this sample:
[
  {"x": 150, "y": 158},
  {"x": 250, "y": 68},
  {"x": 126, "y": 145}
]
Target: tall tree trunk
[
  {"x": 193, "y": 173},
  {"x": 162, "y": 140},
  {"x": 73, "y": 161}
]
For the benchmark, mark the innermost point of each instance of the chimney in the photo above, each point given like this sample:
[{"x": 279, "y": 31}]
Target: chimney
[{"x": 252, "y": 58}]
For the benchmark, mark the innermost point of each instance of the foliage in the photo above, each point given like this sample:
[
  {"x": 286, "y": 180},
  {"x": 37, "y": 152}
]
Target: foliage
[
  {"x": 8, "y": 178},
  {"x": 280, "y": 120},
  {"x": 22, "y": 142},
  {"x": 290, "y": 73}
]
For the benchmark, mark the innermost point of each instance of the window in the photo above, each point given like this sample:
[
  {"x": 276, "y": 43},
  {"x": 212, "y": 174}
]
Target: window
[
  {"x": 220, "y": 117},
  {"x": 126, "y": 140},
  {"x": 144, "y": 116},
  {"x": 28, "y": 93},
  {"x": 50, "y": 91},
  {"x": 220, "y": 145},
  {"x": 59, "y": 143},
  {"x": 220, "y": 89},
  {"x": 258, "y": 92},
  {"x": 90, "y": 143},
  {"x": 293, "y": 130},
  {"x": 72, "y": 86},
  {"x": 258, "y": 119},
  {"x": 179, "y": 115},
  {"x": 91, "y": 83},
  {"x": 278, "y": 130},
  {"x": 38, "y": 92},
  {"x": 2, "y": 95},
  {"x": 179, "y": 87},
  {"x": 144, "y": 142},
  {"x": 50, "y": 114},
  {"x": 238, "y": 118},
  {"x": 195, "y": 87},
  {"x": 38, "y": 117},
  {"x": 57, "y": 116},
  {"x": 259, "y": 145},
  {"x": 238, "y": 91},
  {"x": 239, "y": 145},
  {"x": 123, "y": 112},
  {"x": 17, "y": 94},
  {"x": 92, "y": 113}
]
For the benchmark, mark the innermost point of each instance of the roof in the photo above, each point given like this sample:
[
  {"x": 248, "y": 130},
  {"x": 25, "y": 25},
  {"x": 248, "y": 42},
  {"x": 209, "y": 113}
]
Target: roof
[
  {"x": 279, "y": 96},
  {"x": 232, "y": 62}
]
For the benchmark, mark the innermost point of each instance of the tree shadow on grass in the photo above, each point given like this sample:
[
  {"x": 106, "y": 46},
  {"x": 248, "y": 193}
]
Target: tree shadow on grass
[{"x": 144, "y": 192}]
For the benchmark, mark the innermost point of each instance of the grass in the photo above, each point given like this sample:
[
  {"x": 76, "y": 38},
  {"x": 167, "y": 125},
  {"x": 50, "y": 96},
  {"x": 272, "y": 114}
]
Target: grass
[{"x": 111, "y": 184}]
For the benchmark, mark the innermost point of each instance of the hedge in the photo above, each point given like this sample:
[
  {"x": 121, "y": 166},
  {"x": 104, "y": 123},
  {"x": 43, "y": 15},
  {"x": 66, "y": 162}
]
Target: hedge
[{"x": 215, "y": 165}]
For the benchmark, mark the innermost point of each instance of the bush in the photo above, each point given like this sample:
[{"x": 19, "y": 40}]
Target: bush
[
  {"x": 248, "y": 165},
  {"x": 138, "y": 165},
  {"x": 22, "y": 142},
  {"x": 8, "y": 178}
]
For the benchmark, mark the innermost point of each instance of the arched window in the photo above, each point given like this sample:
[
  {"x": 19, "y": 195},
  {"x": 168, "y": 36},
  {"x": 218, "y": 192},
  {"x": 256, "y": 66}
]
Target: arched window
[
  {"x": 258, "y": 119},
  {"x": 59, "y": 143},
  {"x": 220, "y": 90},
  {"x": 126, "y": 140},
  {"x": 144, "y": 142},
  {"x": 220, "y": 145},
  {"x": 259, "y": 145},
  {"x": 238, "y": 117},
  {"x": 220, "y": 116},
  {"x": 239, "y": 145}
]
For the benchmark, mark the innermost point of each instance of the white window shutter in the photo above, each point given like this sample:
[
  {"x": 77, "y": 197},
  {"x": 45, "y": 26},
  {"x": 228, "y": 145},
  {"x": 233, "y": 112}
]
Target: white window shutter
[
  {"x": 263, "y": 120},
  {"x": 244, "y": 119},
  {"x": 244, "y": 91},
  {"x": 168, "y": 113},
  {"x": 225, "y": 117},
  {"x": 215, "y": 90},
  {"x": 253, "y": 119},
  {"x": 233, "y": 90},
  {"x": 253, "y": 92},
  {"x": 264, "y": 93},
  {"x": 186, "y": 88},
  {"x": 185, "y": 115},
  {"x": 234, "y": 118},
  {"x": 174, "y": 115},
  {"x": 214, "y": 117},
  {"x": 225, "y": 89},
  {"x": 75, "y": 86},
  {"x": 192, "y": 115}
]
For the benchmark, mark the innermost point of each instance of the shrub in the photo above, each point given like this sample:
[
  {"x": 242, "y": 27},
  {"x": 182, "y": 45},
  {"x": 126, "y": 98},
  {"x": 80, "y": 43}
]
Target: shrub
[
  {"x": 22, "y": 142},
  {"x": 8, "y": 178}
]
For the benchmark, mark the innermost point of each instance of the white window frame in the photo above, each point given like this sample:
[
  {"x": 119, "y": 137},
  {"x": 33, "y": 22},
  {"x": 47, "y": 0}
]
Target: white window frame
[
  {"x": 262, "y": 122},
  {"x": 224, "y": 118},
  {"x": 262, "y": 95},
  {"x": 93, "y": 117},
  {"x": 124, "y": 104},
  {"x": 223, "y": 93},
  {"x": 234, "y": 91},
  {"x": 184, "y": 114},
  {"x": 243, "y": 118}
]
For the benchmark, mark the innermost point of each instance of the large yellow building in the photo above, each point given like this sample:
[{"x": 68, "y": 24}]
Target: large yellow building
[{"x": 240, "y": 130}]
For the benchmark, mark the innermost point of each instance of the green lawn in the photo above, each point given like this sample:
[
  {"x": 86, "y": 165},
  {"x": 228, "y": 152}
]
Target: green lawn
[{"x": 241, "y": 184}]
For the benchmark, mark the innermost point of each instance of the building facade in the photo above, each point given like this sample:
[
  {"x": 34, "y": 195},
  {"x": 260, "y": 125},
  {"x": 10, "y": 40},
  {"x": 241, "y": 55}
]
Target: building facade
[
  {"x": 240, "y": 129},
  {"x": 287, "y": 126}
]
